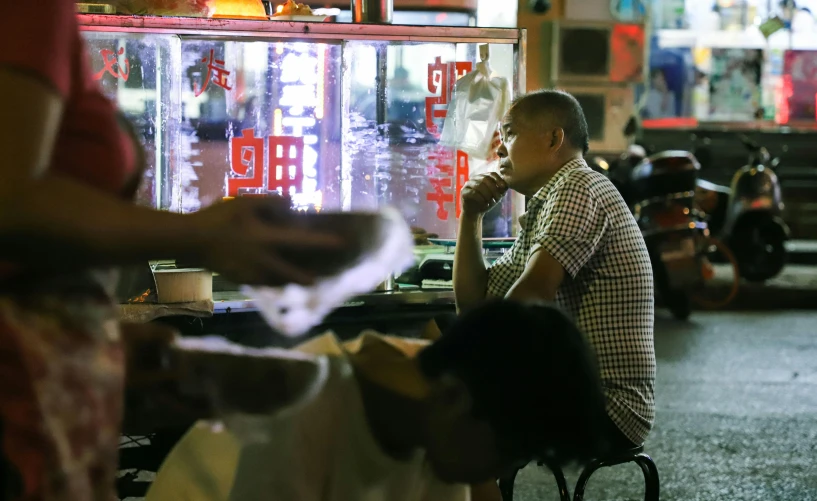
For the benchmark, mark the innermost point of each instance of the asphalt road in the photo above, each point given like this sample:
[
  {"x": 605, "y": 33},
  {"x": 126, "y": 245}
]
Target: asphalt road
[{"x": 736, "y": 400}]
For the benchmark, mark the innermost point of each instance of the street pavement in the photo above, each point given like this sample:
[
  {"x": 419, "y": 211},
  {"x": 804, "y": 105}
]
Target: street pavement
[
  {"x": 736, "y": 399},
  {"x": 794, "y": 288}
]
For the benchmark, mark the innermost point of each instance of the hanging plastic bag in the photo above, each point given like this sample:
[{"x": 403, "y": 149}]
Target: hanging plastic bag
[{"x": 479, "y": 102}]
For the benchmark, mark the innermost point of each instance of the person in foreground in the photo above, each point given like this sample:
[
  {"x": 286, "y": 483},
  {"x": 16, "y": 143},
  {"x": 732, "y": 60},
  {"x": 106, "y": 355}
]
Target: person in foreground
[
  {"x": 578, "y": 246},
  {"x": 68, "y": 177},
  {"x": 405, "y": 420}
]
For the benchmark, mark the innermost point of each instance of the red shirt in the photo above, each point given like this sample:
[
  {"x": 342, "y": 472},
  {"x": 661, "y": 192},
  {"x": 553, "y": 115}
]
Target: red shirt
[{"x": 41, "y": 38}]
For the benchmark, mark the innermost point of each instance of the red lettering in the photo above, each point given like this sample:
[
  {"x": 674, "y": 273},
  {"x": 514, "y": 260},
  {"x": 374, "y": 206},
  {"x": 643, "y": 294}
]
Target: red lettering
[
  {"x": 246, "y": 162},
  {"x": 463, "y": 173},
  {"x": 216, "y": 73},
  {"x": 441, "y": 173},
  {"x": 110, "y": 60},
  {"x": 286, "y": 164},
  {"x": 440, "y": 197}
]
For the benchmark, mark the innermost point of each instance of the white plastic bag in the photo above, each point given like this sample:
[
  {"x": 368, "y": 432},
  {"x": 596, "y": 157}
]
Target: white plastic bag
[
  {"x": 479, "y": 102},
  {"x": 294, "y": 309}
]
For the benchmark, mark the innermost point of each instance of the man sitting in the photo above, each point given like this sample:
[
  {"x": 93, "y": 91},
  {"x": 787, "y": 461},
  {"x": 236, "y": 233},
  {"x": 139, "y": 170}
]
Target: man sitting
[
  {"x": 579, "y": 246},
  {"x": 400, "y": 420}
]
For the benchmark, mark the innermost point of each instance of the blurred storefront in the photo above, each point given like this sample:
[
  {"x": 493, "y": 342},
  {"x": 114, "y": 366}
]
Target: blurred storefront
[{"x": 708, "y": 72}]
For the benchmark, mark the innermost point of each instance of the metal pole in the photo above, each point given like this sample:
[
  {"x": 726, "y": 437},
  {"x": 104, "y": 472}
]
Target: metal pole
[{"x": 380, "y": 83}]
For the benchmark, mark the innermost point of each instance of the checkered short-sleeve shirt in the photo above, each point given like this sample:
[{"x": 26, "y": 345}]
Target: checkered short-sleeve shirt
[{"x": 580, "y": 219}]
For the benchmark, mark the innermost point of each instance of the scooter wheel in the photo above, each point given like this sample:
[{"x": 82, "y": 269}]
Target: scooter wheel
[{"x": 760, "y": 250}]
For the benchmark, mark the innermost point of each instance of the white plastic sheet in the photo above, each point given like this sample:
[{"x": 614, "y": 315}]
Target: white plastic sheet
[
  {"x": 294, "y": 309},
  {"x": 479, "y": 102}
]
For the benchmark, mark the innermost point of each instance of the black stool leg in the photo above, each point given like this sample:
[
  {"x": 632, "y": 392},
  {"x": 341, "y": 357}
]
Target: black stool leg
[
  {"x": 581, "y": 484},
  {"x": 651, "y": 484},
  {"x": 561, "y": 482},
  {"x": 506, "y": 486}
]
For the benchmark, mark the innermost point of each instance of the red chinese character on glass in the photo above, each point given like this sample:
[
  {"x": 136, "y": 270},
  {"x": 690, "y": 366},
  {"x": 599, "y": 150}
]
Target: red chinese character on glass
[
  {"x": 286, "y": 164},
  {"x": 112, "y": 67},
  {"x": 462, "y": 175},
  {"x": 440, "y": 197},
  {"x": 441, "y": 173},
  {"x": 441, "y": 80},
  {"x": 247, "y": 168},
  {"x": 246, "y": 162},
  {"x": 216, "y": 73}
]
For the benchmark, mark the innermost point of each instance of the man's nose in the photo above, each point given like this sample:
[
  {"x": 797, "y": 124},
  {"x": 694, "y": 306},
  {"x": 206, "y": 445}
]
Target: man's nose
[{"x": 502, "y": 152}]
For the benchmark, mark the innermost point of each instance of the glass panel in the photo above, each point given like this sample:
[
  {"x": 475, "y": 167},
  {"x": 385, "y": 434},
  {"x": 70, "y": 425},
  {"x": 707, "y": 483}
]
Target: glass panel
[
  {"x": 259, "y": 117},
  {"x": 136, "y": 71},
  {"x": 390, "y": 135},
  {"x": 222, "y": 118}
]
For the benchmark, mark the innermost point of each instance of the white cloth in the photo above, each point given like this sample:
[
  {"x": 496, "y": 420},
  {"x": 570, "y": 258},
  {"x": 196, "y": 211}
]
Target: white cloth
[
  {"x": 322, "y": 452},
  {"x": 294, "y": 309}
]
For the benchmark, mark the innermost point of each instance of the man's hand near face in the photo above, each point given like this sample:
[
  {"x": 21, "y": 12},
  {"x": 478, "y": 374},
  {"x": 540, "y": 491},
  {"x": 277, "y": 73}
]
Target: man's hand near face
[{"x": 479, "y": 195}]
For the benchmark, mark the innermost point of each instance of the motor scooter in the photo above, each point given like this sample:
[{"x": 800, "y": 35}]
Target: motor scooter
[
  {"x": 662, "y": 189},
  {"x": 747, "y": 216}
]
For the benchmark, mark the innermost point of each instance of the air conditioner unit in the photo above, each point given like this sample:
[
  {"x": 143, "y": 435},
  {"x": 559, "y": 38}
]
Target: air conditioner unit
[
  {"x": 607, "y": 109},
  {"x": 591, "y": 53}
]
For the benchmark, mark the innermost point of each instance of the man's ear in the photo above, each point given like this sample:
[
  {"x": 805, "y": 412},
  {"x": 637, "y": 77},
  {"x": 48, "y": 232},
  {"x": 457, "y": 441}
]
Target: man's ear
[
  {"x": 557, "y": 139},
  {"x": 453, "y": 394}
]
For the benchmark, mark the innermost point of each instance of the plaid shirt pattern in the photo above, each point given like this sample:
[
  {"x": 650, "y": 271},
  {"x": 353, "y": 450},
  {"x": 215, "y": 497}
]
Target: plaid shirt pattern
[{"x": 580, "y": 219}]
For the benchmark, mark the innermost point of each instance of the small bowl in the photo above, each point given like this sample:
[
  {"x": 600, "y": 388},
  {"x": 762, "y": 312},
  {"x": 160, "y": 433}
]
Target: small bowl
[{"x": 183, "y": 286}]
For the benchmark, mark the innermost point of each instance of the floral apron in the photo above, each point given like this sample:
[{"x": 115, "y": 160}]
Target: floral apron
[{"x": 61, "y": 384}]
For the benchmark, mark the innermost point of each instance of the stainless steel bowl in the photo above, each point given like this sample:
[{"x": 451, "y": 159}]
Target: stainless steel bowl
[{"x": 387, "y": 285}]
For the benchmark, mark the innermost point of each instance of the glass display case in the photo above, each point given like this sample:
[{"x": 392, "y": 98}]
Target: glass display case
[{"x": 339, "y": 116}]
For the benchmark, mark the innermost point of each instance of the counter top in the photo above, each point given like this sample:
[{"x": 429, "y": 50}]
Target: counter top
[
  {"x": 226, "y": 302},
  {"x": 235, "y": 302}
]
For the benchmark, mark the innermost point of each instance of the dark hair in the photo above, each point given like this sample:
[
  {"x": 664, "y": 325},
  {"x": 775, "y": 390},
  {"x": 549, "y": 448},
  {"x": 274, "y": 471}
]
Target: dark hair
[
  {"x": 531, "y": 376},
  {"x": 563, "y": 108}
]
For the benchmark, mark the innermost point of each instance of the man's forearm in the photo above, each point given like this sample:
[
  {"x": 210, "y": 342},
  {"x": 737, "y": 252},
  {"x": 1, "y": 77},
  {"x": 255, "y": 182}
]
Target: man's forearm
[
  {"x": 470, "y": 273},
  {"x": 56, "y": 222}
]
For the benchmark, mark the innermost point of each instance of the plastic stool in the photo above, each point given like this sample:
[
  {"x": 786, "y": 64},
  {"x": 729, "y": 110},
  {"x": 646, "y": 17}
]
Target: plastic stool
[{"x": 637, "y": 456}]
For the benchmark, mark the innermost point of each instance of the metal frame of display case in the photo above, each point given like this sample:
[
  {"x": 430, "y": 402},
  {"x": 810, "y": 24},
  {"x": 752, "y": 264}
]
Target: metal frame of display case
[
  {"x": 325, "y": 32},
  {"x": 304, "y": 30}
]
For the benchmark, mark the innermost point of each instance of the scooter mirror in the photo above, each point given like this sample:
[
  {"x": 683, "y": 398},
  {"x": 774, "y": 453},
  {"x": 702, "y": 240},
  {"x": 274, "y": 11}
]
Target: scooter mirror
[
  {"x": 631, "y": 127},
  {"x": 748, "y": 143}
]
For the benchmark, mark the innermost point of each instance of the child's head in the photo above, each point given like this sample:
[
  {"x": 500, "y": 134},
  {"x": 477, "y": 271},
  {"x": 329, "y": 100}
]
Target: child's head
[{"x": 511, "y": 383}]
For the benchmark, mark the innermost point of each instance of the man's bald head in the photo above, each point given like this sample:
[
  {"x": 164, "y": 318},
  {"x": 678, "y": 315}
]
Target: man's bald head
[{"x": 553, "y": 108}]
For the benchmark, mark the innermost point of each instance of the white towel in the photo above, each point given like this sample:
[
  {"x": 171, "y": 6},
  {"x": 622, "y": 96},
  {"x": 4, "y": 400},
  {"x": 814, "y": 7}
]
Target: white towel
[{"x": 294, "y": 309}]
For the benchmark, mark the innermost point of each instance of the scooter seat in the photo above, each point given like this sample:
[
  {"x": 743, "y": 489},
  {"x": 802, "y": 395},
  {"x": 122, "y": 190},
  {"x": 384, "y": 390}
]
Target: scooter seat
[{"x": 664, "y": 174}]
